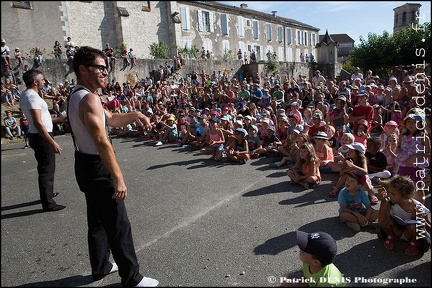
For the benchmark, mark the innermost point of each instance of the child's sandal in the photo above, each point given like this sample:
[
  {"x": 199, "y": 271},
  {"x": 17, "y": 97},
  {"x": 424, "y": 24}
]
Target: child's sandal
[{"x": 389, "y": 242}]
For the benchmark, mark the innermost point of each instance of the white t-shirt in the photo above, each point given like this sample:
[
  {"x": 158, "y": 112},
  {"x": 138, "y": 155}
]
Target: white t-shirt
[
  {"x": 30, "y": 100},
  {"x": 4, "y": 49}
]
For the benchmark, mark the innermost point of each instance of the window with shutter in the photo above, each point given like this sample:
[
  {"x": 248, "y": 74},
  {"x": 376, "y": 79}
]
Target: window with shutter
[
  {"x": 224, "y": 24},
  {"x": 289, "y": 40},
  {"x": 240, "y": 26},
  {"x": 211, "y": 17},
  {"x": 280, "y": 33},
  {"x": 185, "y": 21},
  {"x": 200, "y": 21},
  {"x": 255, "y": 29},
  {"x": 269, "y": 36}
]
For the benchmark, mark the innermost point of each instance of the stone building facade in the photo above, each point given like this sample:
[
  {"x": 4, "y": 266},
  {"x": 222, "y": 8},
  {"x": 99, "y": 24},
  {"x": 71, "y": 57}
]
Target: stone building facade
[{"x": 217, "y": 27}]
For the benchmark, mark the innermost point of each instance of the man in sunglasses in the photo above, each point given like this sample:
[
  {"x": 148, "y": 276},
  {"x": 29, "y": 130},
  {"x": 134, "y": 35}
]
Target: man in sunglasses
[{"x": 98, "y": 172}]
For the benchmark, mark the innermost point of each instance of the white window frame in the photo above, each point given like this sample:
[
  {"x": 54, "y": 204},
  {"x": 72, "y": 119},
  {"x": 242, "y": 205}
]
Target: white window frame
[
  {"x": 185, "y": 18},
  {"x": 240, "y": 26}
]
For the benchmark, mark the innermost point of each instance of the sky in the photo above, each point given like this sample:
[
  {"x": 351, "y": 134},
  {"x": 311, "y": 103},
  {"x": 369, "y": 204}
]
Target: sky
[{"x": 354, "y": 18}]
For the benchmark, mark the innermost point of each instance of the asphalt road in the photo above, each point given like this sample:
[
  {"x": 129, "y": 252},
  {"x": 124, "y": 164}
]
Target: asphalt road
[{"x": 195, "y": 223}]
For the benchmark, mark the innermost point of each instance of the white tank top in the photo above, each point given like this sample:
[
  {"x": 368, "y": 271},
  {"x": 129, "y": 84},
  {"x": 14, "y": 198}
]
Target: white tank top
[{"x": 83, "y": 140}]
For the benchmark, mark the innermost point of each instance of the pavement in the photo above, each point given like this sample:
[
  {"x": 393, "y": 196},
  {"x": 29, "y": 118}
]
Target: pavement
[{"x": 195, "y": 222}]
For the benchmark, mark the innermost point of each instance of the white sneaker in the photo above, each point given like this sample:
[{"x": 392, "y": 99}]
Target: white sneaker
[
  {"x": 114, "y": 268},
  {"x": 148, "y": 282},
  {"x": 159, "y": 143}
]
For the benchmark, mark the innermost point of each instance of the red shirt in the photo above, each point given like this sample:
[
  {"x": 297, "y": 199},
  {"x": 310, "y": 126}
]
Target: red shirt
[
  {"x": 312, "y": 131},
  {"x": 367, "y": 110}
]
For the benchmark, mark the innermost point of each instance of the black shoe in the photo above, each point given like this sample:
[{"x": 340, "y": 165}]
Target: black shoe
[
  {"x": 55, "y": 207},
  {"x": 55, "y": 194}
]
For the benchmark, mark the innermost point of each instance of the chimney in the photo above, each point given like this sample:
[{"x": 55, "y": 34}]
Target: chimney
[
  {"x": 274, "y": 13},
  {"x": 244, "y": 5}
]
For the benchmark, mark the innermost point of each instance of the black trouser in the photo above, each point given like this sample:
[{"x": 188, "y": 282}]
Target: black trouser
[
  {"x": 45, "y": 158},
  {"x": 108, "y": 224}
]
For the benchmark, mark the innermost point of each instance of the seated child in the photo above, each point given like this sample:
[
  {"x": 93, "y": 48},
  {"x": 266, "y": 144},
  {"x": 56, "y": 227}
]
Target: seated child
[
  {"x": 356, "y": 160},
  {"x": 390, "y": 153},
  {"x": 306, "y": 170},
  {"x": 333, "y": 141},
  {"x": 170, "y": 134},
  {"x": 322, "y": 149},
  {"x": 293, "y": 152},
  {"x": 214, "y": 141},
  {"x": 253, "y": 140},
  {"x": 401, "y": 216},
  {"x": 355, "y": 207},
  {"x": 361, "y": 132},
  {"x": 376, "y": 160},
  {"x": 238, "y": 150},
  {"x": 270, "y": 143},
  {"x": 317, "y": 252},
  {"x": 339, "y": 158}
]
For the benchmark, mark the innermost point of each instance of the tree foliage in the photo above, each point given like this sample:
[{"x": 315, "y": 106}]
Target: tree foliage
[
  {"x": 273, "y": 66},
  {"x": 190, "y": 53},
  {"x": 159, "y": 50},
  {"x": 406, "y": 47}
]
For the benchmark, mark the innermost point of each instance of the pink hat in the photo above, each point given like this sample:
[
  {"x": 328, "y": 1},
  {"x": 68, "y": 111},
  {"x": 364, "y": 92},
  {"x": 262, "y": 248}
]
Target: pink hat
[
  {"x": 363, "y": 122},
  {"x": 391, "y": 123}
]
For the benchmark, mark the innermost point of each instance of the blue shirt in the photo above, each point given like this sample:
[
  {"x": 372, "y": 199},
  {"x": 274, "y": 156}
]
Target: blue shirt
[{"x": 356, "y": 203}]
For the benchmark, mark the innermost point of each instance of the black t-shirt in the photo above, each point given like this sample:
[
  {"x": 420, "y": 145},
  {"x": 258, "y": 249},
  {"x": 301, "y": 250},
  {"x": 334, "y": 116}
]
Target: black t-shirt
[
  {"x": 334, "y": 143},
  {"x": 377, "y": 160},
  {"x": 109, "y": 52}
]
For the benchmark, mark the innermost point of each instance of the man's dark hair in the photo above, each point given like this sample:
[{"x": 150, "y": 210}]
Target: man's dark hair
[
  {"x": 85, "y": 56},
  {"x": 30, "y": 76}
]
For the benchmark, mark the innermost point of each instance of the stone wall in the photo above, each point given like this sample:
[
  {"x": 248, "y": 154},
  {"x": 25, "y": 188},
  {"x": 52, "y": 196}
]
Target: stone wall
[{"x": 57, "y": 71}]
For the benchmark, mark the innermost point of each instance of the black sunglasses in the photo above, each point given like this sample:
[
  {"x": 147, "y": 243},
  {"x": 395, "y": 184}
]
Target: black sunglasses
[{"x": 100, "y": 68}]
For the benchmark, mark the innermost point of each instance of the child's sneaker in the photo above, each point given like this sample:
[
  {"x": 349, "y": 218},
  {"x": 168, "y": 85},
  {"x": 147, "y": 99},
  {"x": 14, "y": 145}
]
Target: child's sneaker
[
  {"x": 389, "y": 242},
  {"x": 159, "y": 143},
  {"x": 355, "y": 226},
  {"x": 413, "y": 248}
]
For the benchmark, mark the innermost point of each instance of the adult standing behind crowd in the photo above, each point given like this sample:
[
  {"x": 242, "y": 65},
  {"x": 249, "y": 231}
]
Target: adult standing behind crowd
[
  {"x": 98, "y": 173},
  {"x": 41, "y": 136}
]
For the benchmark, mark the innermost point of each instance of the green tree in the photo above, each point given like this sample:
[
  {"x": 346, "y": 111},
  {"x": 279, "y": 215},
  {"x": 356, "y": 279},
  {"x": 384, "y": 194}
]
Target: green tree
[
  {"x": 348, "y": 66},
  {"x": 190, "y": 53},
  {"x": 273, "y": 66},
  {"x": 159, "y": 50},
  {"x": 227, "y": 55},
  {"x": 408, "y": 46}
]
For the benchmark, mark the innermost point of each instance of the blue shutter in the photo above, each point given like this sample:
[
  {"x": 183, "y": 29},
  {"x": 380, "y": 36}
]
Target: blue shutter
[
  {"x": 224, "y": 24},
  {"x": 255, "y": 29}
]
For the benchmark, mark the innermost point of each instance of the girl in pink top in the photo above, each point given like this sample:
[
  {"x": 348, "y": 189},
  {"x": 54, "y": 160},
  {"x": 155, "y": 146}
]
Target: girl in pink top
[
  {"x": 215, "y": 140},
  {"x": 361, "y": 133},
  {"x": 414, "y": 150}
]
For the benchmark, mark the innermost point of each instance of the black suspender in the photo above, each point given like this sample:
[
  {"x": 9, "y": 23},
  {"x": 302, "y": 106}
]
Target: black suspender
[{"x": 70, "y": 126}]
